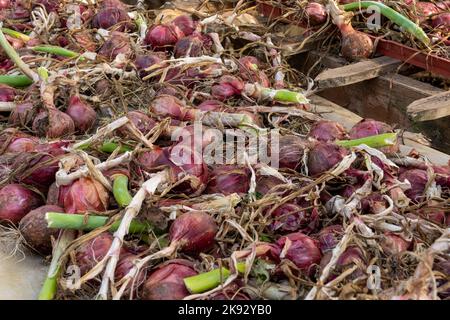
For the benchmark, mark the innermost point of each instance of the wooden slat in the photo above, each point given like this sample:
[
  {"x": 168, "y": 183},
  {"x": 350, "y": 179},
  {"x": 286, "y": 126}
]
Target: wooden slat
[
  {"x": 335, "y": 112},
  {"x": 430, "y": 108},
  {"x": 356, "y": 72}
]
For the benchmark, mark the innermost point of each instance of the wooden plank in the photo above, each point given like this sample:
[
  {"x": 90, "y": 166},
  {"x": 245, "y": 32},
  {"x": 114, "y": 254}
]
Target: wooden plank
[
  {"x": 430, "y": 108},
  {"x": 356, "y": 72},
  {"x": 335, "y": 112}
]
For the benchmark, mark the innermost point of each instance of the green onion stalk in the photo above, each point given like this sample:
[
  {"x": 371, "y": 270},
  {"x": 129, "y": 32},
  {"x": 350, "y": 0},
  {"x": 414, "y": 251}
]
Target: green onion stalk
[
  {"x": 16, "y": 34},
  {"x": 14, "y": 56},
  {"x": 110, "y": 147},
  {"x": 278, "y": 95},
  {"x": 376, "y": 141},
  {"x": 120, "y": 190},
  {"x": 18, "y": 81},
  {"x": 209, "y": 280},
  {"x": 58, "y": 51},
  {"x": 49, "y": 288},
  {"x": 393, "y": 16},
  {"x": 57, "y": 220}
]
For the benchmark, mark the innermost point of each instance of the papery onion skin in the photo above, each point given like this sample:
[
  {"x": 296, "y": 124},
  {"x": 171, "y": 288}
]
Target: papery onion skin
[
  {"x": 441, "y": 21},
  {"x": 195, "y": 231},
  {"x": 228, "y": 87},
  {"x": 16, "y": 201},
  {"x": 393, "y": 244},
  {"x": 34, "y": 228},
  {"x": 211, "y": 105},
  {"x": 291, "y": 152},
  {"x": 169, "y": 106},
  {"x": 228, "y": 179},
  {"x": 161, "y": 36},
  {"x": 290, "y": 217},
  {"x": 327, "y": 131},
  {"x": 113, "y": 17},
  {"x": 194, "y": 45},
  {"x": 303, "y": 250},
  {"x": 53, "y": 124},
  {"x": 118, "y": 43},
  {"x": 166, "y": 283},
  {"x": 329, "y": 237},
  {"x": 418, "y": 179},
  {"x": 324, "y": 156},
  {"x": 185, "y": 23},
  {"x": 22, "y": 115},
  {"x": 7, "y": 93},
  {"x": 141, "y": 121},
  {"x": 82, "y": 114},
  {"x": 85, "y": 194},
  {"x": 143, "y": 62},
  {"x": 5, "y": 4},
  {"x": 315, "y": 13},
  {"x": 92, "y": 251}
]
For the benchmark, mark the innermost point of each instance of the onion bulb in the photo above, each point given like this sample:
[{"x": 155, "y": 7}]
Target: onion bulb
[
  {"x": 16, "y": 201},
  {"x": 82, "y": 114}
]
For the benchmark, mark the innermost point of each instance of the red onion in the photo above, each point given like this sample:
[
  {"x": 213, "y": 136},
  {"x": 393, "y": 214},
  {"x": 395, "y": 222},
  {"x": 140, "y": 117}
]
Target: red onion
[
  {"x": 426, "y": 9},
  {"x": 194, "y": 45},
  {"x": 143, "y": 62},
  {"x": 442, "y": 21},
  {"x": 228, "y": 87},
  {"x": 82, "y": 114},
  {"x": 228, "y": 179},
  {"x": 249, "y": 71},
  {"x": 34, "y": 228},
  {"x": 418, "y": 179},
  {"x": 327, "y": 131},
  {"x": 370, "y": 127},
  {"x": 151, "y": 160},
  {"x": 19, "y": 12},
  {"x": 373, "y": 203},
  {"x": 324, "y": 156},
  {"x": 7, "y": 94},
  {"x": 22, "y": 114},
  {"x": 85, "y": 41},
  {"x": 91, "y": 252},
  {"x": 351, "y": 256},
  {"x": 230, "y": 292},
  {"x": 85, "y": 194},
  {"x": 315, "y": 13},
  {"x": 161, "y": 36},
  {"x": 211, "y": 105},
  {"x": 168, "y": 106},
  {"x": 166, "y": 283},
  {"x": 185, "y": 23},
  {"x": 329, "y": 237},
  {"x": 118, "y": 43},
  {"x": 141, "y": 121},
  {"x": 393, "y": 244},
  {"x": 266, "y": 183},
  {"x": 13, "y": 141},
  {"x": 112, "y": 17},
  {"x": 302, "y": 250},
  {"x": 5, "y": 4},
  {"x": 125, "y": 265},
  {"x": 16, "y": 201},
  {"x": 53, "y": 124},
  {"x": 194, "y": 231},
  {"x": 290, "y": 217},
  {"x": 291, "y": 151},
  {"x": 40, "y": 169}
]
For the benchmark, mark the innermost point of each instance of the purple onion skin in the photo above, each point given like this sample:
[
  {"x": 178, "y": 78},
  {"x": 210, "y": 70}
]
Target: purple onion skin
[
  {"x": 370, "y": 127},
  {"x": 34, "y": 228},
  {"x": 185, "y": 23},
  {"x": 118, "y": 43},
  {"x": 82, "y": 114},
  {"x": 329, "y": 237},
  {"x": 195, "y": 231},
  {"x": 162, "y": 36},
  {"x": 166, "y": 283},
  {"x": 22, "y": 115},
  {"x": 290, "y": 218},
  {"x": 192, "y": 46},
  {"x": 92, "y": 251},
  {"x": 324, "y": 156},
  {"x": 315, "y": 13},
  {"x": 141, "y": 121},
  {"x": 16, "y": 201},
  {"x": 327, "y": 131},
  {"x": 228, "y": 179},
  {"x": 303, "y": 251},
  {"x": 290, "y": 152},
  {"x": 418, "y": 179},
  {"x": 143, "y": 62},
  {"x": 7, "y": 93},
  {"x": 114, "y": 18}
]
